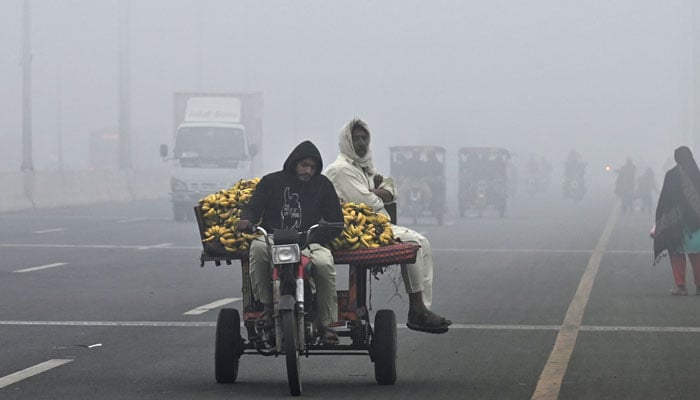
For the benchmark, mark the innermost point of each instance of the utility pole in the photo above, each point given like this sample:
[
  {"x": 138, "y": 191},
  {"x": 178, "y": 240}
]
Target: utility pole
[
  {"x": 124, "y": 86},
  {"x": 27, "y": 164},
  {"x": 694, "y": 133},
  {"x": 198, "y": 46}
]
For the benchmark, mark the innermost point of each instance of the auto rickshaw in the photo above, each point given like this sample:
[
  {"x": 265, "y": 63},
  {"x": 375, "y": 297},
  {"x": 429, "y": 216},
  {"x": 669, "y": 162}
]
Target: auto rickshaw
[
  {"x": 483, "y": 182},
  {"x": 419, "y": 172}
]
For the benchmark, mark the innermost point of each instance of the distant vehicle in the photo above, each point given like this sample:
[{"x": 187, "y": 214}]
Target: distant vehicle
[
  {"x": 419, "y": 172},
  {"x": 217, "y": 140},
  {"x": 483, "y": 175}
]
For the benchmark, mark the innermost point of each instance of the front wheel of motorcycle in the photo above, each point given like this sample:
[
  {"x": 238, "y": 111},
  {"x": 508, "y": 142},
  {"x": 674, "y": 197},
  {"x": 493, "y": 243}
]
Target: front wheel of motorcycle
[{"x": 289, "y": 327}]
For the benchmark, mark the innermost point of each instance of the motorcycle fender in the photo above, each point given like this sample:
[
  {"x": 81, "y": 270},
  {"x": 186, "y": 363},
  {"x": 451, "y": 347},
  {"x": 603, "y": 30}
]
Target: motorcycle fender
[{"x": 287, "y": 302}]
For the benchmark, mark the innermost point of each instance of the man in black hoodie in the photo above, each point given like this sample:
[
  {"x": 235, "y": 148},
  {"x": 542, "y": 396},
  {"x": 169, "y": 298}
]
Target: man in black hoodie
[{"x": 296, "y": 197}]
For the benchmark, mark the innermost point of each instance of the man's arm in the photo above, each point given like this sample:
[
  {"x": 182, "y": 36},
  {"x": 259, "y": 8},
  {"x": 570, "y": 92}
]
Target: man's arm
[
  {"x": 352, "y": 187},
  {"x": 383, "y": 192}
]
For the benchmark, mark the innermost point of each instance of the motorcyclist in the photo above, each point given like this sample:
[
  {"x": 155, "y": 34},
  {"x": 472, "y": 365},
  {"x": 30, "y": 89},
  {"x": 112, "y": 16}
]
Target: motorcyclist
[
  {"x": 574, "y": 171},
  {"x": 296, "y": 197},
  {"x": 646, "y": 188},
  {"x": 624, "y": 185}
]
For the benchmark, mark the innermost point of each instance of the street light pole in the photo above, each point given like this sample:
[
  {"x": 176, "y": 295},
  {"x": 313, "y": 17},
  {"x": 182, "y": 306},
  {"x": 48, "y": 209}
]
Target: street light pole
[
  {"x": 27, "y": 164},
  {"x": 124, "y": 87}
]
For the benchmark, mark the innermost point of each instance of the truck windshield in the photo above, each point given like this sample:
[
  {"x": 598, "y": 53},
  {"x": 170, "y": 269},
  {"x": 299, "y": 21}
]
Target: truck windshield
[{"x": 210, "y": 146}]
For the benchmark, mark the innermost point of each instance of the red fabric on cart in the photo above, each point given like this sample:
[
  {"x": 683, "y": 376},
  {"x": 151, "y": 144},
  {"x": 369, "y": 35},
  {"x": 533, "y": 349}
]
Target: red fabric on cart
[{"x": 399, "y": 253}]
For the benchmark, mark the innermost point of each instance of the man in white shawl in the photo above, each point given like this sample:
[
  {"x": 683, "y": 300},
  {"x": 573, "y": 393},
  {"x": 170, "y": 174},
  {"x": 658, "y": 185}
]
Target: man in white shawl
[{"x": 356, "y": 180}]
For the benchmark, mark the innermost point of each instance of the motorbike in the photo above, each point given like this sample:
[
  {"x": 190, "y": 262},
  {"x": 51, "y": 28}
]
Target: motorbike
[
  {"x": 574, "y": 188},
  {"x": 294, "y": 333}
]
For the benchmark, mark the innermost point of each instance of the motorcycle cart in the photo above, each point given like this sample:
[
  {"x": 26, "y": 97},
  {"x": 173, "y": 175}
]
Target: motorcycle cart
[
  {"x": 483, "y": 173},
  {"x": 357, "y": 335},
  {"x": 419, "y": 172}
]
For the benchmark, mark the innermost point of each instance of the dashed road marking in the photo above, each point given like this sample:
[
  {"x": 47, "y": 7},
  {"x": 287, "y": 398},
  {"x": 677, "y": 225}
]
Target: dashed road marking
[
  {"x": 208, "y": 307},
  {"x": 31, "y": 371},
  {"x": 156, "y": 246},
  {"x": 41, "y": 267},
  {"x": 50, "y": 230}
]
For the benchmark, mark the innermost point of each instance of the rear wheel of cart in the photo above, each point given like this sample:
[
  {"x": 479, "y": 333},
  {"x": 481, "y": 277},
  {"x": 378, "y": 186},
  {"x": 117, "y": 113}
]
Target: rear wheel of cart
[
  {"x": 229, "y": 345},
  {"x": 289, "y": 326},
  {"x": 384, "y": 347},
  {"x": 179, "y": 212}
]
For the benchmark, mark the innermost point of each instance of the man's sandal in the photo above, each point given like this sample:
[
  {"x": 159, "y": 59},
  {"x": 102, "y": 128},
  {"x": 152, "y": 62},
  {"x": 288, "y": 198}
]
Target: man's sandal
[
  {"x": 428, "y": 322},
  {"x": 329, "y": 337},
  {"x": 265, "y": 320}
]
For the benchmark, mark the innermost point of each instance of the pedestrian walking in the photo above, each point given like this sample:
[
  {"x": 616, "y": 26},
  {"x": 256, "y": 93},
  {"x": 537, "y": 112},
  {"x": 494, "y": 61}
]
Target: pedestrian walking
[{"x": 677, "y": 229}]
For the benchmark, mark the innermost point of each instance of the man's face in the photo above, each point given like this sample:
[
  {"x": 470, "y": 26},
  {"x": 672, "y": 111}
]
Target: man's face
[
  {"x": 360, "y": 141},
  {"x": 306, "y": 169}
]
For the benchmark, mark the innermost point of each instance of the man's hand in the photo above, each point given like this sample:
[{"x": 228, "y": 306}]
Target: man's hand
[
  {"x": 383, "y": 194},
  {"x": 378, "y": 179},
  {"x": 244, "y": 225}
]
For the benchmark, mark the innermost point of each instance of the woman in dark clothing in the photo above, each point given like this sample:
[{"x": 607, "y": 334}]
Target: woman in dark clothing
[{"x": 677, "y": 230}]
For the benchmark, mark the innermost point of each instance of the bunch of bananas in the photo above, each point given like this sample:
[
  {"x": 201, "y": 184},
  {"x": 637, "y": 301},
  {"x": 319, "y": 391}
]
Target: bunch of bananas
[
  {"x": 363, "y": 228},
  {"x": 221, "y": 212}
]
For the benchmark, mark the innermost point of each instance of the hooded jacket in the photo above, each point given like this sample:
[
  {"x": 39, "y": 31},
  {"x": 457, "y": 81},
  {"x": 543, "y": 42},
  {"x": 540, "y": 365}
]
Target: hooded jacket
[{"x": 282, "y": 201}]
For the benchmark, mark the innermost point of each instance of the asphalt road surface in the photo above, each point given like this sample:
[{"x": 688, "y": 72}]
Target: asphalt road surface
[{"x": 555, "y": 300}]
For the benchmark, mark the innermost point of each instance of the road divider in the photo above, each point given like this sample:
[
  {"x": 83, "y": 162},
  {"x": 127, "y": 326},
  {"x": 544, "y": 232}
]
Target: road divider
[{"x": 48, "y": 189}]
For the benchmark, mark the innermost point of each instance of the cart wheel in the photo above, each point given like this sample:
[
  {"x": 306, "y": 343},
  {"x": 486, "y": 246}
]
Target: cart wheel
[
  {"x": 384, "y": 347},
  {"x": 289, "y": 325},
  {"x": 229, "y": 345}
]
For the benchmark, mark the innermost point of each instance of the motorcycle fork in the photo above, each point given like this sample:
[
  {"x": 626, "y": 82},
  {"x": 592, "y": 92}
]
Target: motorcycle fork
[
  {"x": 276, "y": 295},
  {"x": 277, "y": 285}
]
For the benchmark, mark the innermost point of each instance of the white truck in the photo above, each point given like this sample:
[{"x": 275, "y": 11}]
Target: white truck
[{"x": 217, "y": 139}]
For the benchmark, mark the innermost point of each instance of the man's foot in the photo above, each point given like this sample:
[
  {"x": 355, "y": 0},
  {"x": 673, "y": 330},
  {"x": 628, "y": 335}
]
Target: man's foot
[
  {"x": 678, "y": 291},
  {"x": 428, "y": 321},
  {"x": 265, "y": 320},
  {"x": 329, "y": 336}
]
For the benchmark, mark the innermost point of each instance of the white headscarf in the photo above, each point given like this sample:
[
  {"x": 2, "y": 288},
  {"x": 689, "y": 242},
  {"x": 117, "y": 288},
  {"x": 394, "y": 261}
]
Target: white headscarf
[{"x": 346, "y": 147}]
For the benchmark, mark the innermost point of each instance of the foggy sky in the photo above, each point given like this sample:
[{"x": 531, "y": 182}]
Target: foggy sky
[{"x": 610, "y": 78}]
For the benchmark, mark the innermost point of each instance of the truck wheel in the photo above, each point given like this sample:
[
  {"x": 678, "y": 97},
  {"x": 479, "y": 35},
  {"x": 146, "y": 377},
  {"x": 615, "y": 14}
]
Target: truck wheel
[
  {"x": 179, "y": 213},
  {"x": 229, "y": 345},
  {"x": 383, "y": 348}
]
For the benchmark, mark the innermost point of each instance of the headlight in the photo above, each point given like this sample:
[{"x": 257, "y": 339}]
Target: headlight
[{"x": 286, "y": 253}]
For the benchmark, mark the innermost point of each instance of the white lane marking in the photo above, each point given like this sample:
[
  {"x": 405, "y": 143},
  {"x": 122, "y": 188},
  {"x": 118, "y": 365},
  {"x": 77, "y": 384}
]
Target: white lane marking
[
  {"x": 475, "y": 250},
  {"x": 100, "y": 246},
  {"x": 50, "y": 230},
  {"x": 207, "y": 307},
  {"x": 137, "y": 219},
  {"x": 40, "y": 267},
  {"x": 31, "y": 371},
  {"x": 549, "y": 382},
  {"x": 170, "y": 246},
  {"x": 156, "y": 246},
  {"x": 486, "y": 327}
]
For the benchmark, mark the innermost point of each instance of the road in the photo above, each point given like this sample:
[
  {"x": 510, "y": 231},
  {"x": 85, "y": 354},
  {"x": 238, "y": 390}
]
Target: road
[{"x": 556, "y": 300}]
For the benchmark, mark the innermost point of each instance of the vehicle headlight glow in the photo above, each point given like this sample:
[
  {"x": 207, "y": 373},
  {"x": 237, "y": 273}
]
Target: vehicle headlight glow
[{"x": 285, "y": 254}]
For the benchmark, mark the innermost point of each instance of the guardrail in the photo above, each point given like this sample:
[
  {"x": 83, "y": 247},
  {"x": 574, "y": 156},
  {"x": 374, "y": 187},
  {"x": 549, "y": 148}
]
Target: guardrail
[{"x": 47, "y": 189}]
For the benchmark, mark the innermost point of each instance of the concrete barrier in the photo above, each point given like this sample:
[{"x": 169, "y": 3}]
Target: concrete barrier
[
  {"x": 48, "y": 189},
  {"x": 13, "y": 195}
]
